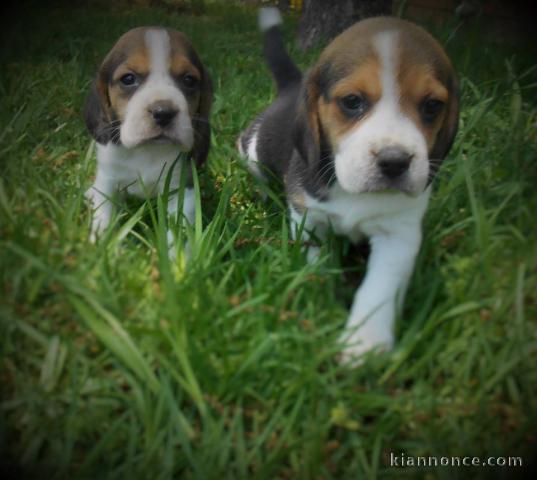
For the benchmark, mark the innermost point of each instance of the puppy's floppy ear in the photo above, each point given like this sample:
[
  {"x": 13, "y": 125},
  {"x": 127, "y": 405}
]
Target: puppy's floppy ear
[
  {"x": 446, "y": 135},
  {"x": 200, "y": 121},
  {"x": 306, "y": 126},
  {"x": 98, "y": 112},
  {"x": 95, "y": 112},
  {"x": 308, "y": 137}
]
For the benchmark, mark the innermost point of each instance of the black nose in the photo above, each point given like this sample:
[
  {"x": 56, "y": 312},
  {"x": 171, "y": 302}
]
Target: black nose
[
  {"x": 163, "y": 114},
  {"x": 393, "y": 161}
]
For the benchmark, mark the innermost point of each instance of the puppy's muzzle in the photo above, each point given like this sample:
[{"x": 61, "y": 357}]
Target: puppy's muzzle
[
  {"x": 393, "y": 161},
  {"x": 163, "y": 113}
]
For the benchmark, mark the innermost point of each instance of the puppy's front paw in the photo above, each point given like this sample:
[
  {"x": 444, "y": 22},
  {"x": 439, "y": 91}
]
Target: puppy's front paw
[
  {"x": 89, "y": 195},
  {"x": 101, "y": 214},
  {"x": 173, "y": 253},
  {"x": 313, "y": 254},
  {"x": 99, "y": 224},
  {"x": 362, "y": 341},
  {"x": 354, "y": 351}
]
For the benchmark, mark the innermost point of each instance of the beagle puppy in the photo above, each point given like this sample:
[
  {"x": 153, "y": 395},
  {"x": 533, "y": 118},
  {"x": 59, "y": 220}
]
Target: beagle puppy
[
  {"x": 356, "y": 142},
  {"x": 148, "y": 110}
]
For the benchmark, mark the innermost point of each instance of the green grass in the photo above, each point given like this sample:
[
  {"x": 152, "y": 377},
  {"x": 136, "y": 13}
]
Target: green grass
[{"x": 118, "y": 364}]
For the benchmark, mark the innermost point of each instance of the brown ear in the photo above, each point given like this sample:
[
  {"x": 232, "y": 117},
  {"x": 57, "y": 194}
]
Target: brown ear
[
  {"x": 308, "y": 138},
  {"x": 306, "y": 126},
  {"x": 446, "y": 135},
  {"x": 201, "y": 123},
  {"x": 97, "y": 111}
]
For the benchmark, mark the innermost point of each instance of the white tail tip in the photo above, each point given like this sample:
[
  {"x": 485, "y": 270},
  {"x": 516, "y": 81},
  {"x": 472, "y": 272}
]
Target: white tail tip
[{"x": 269, "y": 17}]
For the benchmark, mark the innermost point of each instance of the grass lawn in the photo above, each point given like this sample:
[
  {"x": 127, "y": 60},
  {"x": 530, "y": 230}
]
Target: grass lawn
[{"x": 117, "y": 364}]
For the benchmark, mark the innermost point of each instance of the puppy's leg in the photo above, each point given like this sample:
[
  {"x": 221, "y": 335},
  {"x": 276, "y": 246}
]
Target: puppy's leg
[
  {"x": 189, "y": 214},
  {"x": 381, "y": 294},
  {"x": 99, "y": 195},
  {"x": 311, "y": 227},
  {"x": 247, "y": 146}
]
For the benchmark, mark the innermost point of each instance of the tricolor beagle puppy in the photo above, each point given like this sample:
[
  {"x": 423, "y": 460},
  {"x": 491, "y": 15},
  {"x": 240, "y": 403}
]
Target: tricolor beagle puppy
[
  {"x": 357, "y": 141},
  {"x": 150, "y": 102}
]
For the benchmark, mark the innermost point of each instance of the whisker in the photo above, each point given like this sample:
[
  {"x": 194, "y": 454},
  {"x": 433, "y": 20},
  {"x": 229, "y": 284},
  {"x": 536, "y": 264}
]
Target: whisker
[
  {"x": 326, "y": 165},
  {"x": 332, "y": 178},
  {"x": 110, "y": 128},
  {"x": 112, "y": 124},
  {"x": 327, "y": 168}
]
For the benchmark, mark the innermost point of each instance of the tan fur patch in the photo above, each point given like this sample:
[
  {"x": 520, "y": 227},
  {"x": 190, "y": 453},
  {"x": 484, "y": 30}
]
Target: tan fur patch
[
  {"x": 298, "y": 201},
  {"x": 179, "y": 65},
  {"x": 365, "y": 81},
  {"x": 424, "y": 71},
  {"x": 118, "y": 102},
  {"x": 417, "y": 83},
  {"x": 138, "y": 63},
  {"x": 129, "y": 55}
]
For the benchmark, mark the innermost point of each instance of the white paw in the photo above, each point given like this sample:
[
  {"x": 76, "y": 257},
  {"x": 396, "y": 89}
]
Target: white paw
[
  {"x": 365, "y": 340},
  {"x": 93, "y": 236},
  {"x": 172, "y": 249},
  {"x": 99, "y": 224},
  {"x": 313, "y": 254},
  {"x": 89, "y": 194},
  {"x": 101, "y": 212}
]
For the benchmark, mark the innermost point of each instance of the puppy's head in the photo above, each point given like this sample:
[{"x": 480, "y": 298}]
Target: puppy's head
[
  {"x": 379, "y": 110},
  {"x": 152, "y": 88}
]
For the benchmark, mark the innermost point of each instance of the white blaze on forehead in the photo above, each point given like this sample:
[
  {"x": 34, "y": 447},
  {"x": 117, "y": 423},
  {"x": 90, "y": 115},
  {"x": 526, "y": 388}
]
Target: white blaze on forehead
[
  {"x": 385, "y": 44},
  {"x": 159, "y": 48}
]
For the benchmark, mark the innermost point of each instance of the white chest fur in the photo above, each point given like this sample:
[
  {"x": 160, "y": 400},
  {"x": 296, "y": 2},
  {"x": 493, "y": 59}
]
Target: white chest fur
[
  {"x": 370, "y": 214},
  {"x": 392, "y": 222},
  {"x": 141, "y": 171},
  {"x": 138, "y": 171}
]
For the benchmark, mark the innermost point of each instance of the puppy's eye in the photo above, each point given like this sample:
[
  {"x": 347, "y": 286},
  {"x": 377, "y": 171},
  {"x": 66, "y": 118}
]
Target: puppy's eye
[
  {"x": 430, "y": 108},
  {"x": 189, "y": 81},
  {"x": 129, "y": 80},
  {"x": 353, "y": 105}
]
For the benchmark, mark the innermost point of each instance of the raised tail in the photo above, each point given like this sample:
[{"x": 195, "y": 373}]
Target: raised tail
[{"x": 284, "y": 70}]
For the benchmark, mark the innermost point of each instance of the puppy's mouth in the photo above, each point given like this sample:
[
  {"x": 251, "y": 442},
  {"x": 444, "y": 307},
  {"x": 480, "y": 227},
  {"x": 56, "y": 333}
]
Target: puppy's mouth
[
  {"x": 149, "y": 135},
  {"x": 402, "y": 185},
  {"x": 379, "y": 184},
  {"x": 162, "y": 139}
]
